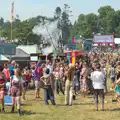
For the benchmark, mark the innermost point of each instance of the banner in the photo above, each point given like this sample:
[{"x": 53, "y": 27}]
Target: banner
[{"x": 103, "y": 39}]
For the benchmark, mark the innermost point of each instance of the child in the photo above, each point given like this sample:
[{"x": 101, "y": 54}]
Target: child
[
  {"x": 112, "y": 75},
  {"x": 84, "y": 85},
  {"x": 75, "y": 83},
  {"x": 61, "y": 71},
  {"x": 117, "y": 90}
]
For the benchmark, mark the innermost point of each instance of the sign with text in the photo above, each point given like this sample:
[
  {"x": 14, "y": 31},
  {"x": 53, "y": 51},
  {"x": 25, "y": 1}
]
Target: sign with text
[
  {"x": 34, "y": 58},
  {"x": 103, "y": 39}
]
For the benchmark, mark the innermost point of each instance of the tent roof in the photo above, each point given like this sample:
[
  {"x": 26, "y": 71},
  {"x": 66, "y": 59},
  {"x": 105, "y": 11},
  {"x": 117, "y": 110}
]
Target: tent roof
[
  {"x": 117, "y": 40},
  {"x": 3, "y": 58},
  {"x": 21, "y": 53}
]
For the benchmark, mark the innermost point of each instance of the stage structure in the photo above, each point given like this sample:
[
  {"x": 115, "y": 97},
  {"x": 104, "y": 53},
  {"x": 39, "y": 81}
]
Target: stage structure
[{"x": 104, "y": 41}]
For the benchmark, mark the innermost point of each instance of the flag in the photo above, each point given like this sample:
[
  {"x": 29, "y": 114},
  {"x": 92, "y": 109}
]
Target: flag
[{"x": 12, "y": 12}]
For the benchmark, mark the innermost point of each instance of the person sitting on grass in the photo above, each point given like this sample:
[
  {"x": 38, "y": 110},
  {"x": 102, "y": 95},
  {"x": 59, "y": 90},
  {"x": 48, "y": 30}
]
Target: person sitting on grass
[{"x": 117, "y": 90}]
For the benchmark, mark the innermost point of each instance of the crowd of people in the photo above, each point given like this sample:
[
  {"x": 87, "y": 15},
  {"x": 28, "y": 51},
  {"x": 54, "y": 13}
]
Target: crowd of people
[{"x": 89, "y": 75}]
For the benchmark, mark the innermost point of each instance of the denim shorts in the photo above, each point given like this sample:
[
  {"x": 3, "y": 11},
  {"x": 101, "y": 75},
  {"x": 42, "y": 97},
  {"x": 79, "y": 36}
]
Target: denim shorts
[{"x": 112, "y": 79}]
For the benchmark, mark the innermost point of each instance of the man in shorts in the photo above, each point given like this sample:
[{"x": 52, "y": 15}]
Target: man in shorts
[{"x": 37, "y": 76}]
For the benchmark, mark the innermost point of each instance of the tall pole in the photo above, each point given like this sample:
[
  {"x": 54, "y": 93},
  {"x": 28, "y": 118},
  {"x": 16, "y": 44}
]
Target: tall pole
[
  {"x": 11, "y": 33},
  {"x": 12, "y": 18}
]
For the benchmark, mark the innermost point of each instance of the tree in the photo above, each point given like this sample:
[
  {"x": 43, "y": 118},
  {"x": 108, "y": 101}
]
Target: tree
[
  {"x": 66, "y": 24},
  {"x": 22, "y": 31},
  {"x": 86, "y": 25},
  {"x": 106, "y": 18},
  {"x": 58, "y": 12},
  {"x": 1, "y": 24},
  {"x": 106, "y": 22}
]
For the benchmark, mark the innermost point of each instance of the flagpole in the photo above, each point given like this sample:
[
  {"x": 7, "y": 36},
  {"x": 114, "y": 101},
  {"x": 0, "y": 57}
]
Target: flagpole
[
  {"x": 12, "y": 18},
  {"x": 11, "y": 32}
]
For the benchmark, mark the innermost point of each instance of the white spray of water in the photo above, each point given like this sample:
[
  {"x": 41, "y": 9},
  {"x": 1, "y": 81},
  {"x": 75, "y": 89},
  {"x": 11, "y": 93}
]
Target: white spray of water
[{"x": 53, "y": 31}]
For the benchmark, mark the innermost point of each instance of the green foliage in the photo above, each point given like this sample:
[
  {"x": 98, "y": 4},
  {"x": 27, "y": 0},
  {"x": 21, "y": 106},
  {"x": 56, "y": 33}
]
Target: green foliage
[
  {"x": 106, "y": 22},
  {"x": 64, "y": 24}
]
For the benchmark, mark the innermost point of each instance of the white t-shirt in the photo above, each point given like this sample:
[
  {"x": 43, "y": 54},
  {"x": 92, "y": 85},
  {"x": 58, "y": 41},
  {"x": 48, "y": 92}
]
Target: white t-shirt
[
  {"x": 18, "y": 79},
  {"x": 50, "y": 67},
  {"x": 98, "y": 80}
]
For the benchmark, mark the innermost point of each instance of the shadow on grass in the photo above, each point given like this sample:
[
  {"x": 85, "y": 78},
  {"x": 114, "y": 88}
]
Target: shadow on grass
[
  {"x": 113, "y": 110},
  {"x": 24, "y": 112},
  {"x": 61, "y": 105},
  {"x": 26, "y": 104},
  {"x": 83, "y": 104},
  {"x": 75, "y": 104}
]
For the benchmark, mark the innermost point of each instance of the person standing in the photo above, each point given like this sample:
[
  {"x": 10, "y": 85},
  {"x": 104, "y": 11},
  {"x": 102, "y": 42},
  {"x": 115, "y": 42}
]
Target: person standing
[
  {"x": 84, "y": 77},
  {"x": 48, "y": 87},
  {"x": 103, "y": 69},
  {"x": 16, "y": 90},
  {"x": 69, "y": 85},
  {"x": 78, "y": 70},
  {"x": 2, "y": 87},
  {"x": 98, "y": 82},
  {"x": 112, "y": 75},
  {"x": 6, "y": 72},
  {"x": 11, "y": 68},
  {"x": 37, "y": 75},
  {"x": 118, "y": 70}
]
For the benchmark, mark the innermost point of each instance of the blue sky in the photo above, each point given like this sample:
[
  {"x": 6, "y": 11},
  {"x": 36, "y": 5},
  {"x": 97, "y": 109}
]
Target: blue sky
[{"x": 31, "y": 8}]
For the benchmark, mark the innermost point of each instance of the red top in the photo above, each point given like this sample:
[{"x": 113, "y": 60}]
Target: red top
[
  {"x": 2, "y": 80},
  {"x": 28, "y": 76}
]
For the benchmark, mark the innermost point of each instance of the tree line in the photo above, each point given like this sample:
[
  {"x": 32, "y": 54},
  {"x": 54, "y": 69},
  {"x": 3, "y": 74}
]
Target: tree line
[{"x": 107, "y": 21}]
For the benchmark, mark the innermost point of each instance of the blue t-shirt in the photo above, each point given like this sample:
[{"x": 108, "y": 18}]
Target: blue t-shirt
[{"x": 11, "y": 68}]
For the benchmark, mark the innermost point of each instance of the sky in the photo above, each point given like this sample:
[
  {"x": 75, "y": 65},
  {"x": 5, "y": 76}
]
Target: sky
[{"x": 31, "y": 8}]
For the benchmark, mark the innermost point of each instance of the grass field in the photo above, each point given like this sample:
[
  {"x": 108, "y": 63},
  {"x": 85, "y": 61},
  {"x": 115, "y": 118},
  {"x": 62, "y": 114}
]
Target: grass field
[{"x": 83, "y": 109}]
